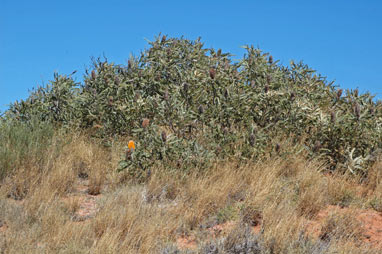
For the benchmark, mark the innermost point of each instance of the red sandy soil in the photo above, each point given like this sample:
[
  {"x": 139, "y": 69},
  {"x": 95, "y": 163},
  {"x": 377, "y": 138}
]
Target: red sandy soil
[
  {"x": 371, "y": 223},
  {"x": 189, "y": 242},
  {"x": 87, "y": 203},
  {"x": 186, "y": 242},
  {"x": 3, "y": 227}
]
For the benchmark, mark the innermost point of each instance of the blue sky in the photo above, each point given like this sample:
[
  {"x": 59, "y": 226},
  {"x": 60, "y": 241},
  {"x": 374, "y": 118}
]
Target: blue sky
[{"x": 340, "y": 39}]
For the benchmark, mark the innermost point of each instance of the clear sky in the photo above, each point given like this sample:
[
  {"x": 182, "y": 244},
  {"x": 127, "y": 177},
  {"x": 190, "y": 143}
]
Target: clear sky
[{"x": 341, "y": 39}]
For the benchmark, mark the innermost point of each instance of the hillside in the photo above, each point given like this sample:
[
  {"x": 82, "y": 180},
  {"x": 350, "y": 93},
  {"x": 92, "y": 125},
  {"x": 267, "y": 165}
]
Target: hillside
[{"x": 186, "y": 151}]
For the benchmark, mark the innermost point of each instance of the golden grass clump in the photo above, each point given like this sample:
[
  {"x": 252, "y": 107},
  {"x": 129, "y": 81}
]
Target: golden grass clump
[{"x": 278, "y": 196}]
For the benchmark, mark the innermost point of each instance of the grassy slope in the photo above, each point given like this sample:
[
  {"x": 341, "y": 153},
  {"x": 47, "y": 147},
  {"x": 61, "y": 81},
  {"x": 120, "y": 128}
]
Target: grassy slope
[{"x": 148, "y": 218}]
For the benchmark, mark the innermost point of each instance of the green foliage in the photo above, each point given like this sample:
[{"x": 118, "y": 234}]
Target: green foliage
[
  {"x": 23, "y": 142},
  {"x": 225, "y": 214},
  {"x": 211, "y": 107},
  {"x": 155, "y": 147},
  {"x": 53, "y": 103}
]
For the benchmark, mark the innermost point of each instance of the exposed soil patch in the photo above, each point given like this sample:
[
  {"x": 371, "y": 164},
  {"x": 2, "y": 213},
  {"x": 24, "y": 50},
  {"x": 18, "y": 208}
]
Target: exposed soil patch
[
  {"x": 83, "y": 203},
  {"x": 190, "y": 242},
  {"x": 256, "y": 229},
  {"x": 370, "y": 223},
  {"x": 186, "y": 242},
  {"x": 221, "y": 229},
  {"x": 3, "y": 227}
]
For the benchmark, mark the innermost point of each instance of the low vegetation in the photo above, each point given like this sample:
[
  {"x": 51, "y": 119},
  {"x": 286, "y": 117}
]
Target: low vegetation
[{"x": 185, "y": 151}]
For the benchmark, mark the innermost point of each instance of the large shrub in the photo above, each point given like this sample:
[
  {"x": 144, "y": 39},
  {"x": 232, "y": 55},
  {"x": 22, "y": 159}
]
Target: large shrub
[{"x": 211, "y": 107}]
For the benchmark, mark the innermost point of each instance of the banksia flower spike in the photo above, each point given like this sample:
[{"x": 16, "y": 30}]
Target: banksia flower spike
[
  {"x": 237, "y": 74},
  {"x": 333, "y": 117},
  {"x": 111, "y": 100},
  {"x": 137, "y": 96},
  {"x": 270, "y": 60},
  {"x": 317, "y": 146},
  {"x": 357, "y": 111},
  {"x": 252, "y": 140},
  {"x": 212, "y": 73},
  {"x": 117, "y": 81},
  {"x": 292, "y": 96},
  {"x": 93, "y": 75},
  {"x": 128, "y": 155},
  {"x": 339, "y": 93},
  {"x": 225, "y": 131},
  {"x": 226, "y": 65},
  {"x": 277, "y": 148},
  {"x": 269, "y": 79},
  {"x": 164, "y": 136},
  {"x": 145, "y": 123},
  {"x": 200, "y": 109},
  {"x": 131, "y": 145},
  {"x": 165, "y": 96},
  {"x": 266, "y": 88},
  {"x": 372, "y": 111},
  {"x": 226, "y": 93},
  {"x": 185, "y": 87},
  {"x": 130, "y": 149}
]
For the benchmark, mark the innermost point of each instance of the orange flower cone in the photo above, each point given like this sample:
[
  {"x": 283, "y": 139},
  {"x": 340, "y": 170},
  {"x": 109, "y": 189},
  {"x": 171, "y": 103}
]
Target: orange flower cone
[{"x": 131, "y": 145}]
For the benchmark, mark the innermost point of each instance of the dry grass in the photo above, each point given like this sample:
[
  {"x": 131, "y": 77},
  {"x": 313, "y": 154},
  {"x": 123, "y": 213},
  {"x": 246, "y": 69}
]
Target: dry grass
[{"x": 148, "y": 218}]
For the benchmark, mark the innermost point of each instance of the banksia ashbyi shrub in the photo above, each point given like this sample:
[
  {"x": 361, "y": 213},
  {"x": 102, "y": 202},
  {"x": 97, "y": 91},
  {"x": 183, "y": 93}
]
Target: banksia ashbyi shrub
[{"x": 208, "y": 106}]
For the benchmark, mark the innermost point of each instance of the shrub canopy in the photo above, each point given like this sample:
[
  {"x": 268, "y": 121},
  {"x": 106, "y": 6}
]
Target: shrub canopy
[{"x": 201, "y": 105}]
